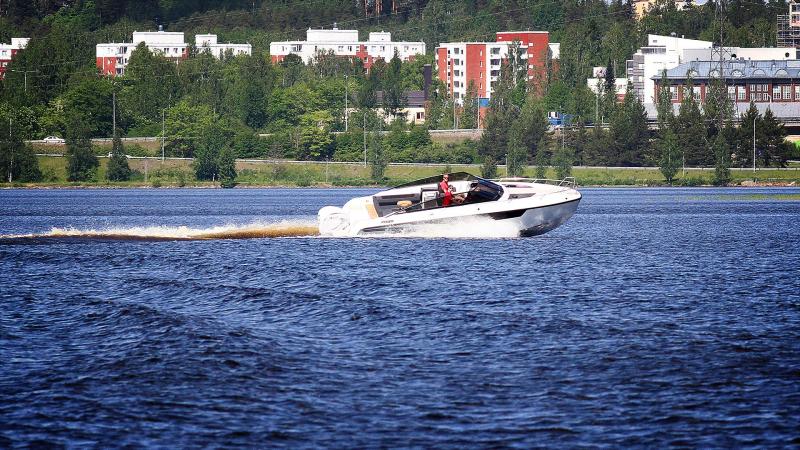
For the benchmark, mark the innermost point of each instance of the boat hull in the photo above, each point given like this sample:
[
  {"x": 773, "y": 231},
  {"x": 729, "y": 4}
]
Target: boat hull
[{"x": 527, "y": 222}]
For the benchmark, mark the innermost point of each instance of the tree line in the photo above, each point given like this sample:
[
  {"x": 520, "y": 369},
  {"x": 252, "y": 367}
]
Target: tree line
[{"x": 211, "y": 109}]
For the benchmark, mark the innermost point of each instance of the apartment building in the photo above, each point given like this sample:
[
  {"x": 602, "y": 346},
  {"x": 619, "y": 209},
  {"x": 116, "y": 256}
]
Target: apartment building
[
  {"x": 345, "y": 43},
  {"x": 661, "y": 53},
  {"x": 461, "y": 63},
  {"x": 7, "y": 52},
  {"x": 112, "y": 58},
  {"x": 789, "y": 26}
]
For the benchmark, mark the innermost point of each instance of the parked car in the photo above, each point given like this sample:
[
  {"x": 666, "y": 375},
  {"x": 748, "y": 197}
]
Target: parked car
[{"x": 53, "y": 140}]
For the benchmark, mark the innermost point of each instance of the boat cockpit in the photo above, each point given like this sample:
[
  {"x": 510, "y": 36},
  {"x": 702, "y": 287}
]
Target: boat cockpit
[{"x": 424, "y": 194}]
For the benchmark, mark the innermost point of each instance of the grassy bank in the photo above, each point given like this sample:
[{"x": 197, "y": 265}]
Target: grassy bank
[{"x": 178, "y": 173}]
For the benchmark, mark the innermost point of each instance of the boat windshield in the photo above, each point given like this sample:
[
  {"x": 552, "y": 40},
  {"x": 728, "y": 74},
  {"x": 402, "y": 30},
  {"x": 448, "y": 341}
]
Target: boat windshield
[
  {"x": 455, "y": 176},
  {"x": 424, "y": 194}
]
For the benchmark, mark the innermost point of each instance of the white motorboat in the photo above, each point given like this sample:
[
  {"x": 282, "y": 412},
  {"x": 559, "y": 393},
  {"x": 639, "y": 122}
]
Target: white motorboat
[{"x": 527, "y": 207}]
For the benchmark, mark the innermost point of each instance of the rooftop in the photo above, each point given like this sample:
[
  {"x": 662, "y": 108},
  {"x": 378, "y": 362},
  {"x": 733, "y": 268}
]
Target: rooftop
[{"x": 737, "y": 68}]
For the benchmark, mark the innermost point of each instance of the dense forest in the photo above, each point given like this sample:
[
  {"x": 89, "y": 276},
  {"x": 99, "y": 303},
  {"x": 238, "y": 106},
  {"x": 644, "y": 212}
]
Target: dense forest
[{"x": 214, "y": 109}]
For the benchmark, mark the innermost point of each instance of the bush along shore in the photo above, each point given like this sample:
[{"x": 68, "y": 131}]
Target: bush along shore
[{"x": 155, "y": 173}]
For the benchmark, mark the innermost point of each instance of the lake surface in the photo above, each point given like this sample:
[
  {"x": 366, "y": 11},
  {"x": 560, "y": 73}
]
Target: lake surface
[{"x": 654, "y": 317}]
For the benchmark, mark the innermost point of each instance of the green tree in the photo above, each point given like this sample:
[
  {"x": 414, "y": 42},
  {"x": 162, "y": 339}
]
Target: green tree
[
  {"x": 81, "y": 162},
  {"x": 469, "y": 110},
  {"x": 90, "y": 97},
  {"x": 750, "y": 121},
  {"x": 542, "y": 157},
  {"x": 664, "y": 109},
  {"x": 629, "y": 132},
  {"x": 690, "y": 128},
  {"x": 226, "y": 163},
  {"x": 17, "y": 161},
  {"x": 774, "y": 148},
  {"x": 489, "y": 167},
  {"x": 316, "y": 134},
  {"x": 494, "y": 140},
  {"x": 185, "y": 126},
  {"x": 394, "y": 98},
  {"x": 151, "y": 85},
  {"x": 377, "y": 157},
  {"x": 670, "y": 158},
  {"x": 563, "y": 158},
  {"x": 722, "y": 171},
  {"x": 118, "y": 169}
]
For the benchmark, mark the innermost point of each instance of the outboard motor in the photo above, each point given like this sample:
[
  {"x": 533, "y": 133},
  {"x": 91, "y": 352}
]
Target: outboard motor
[{"x": 333, "y": 221}]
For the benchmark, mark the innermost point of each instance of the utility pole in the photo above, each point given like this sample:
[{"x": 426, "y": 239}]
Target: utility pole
[
  {"x": 114, "y": 113},
  {"x": 345, "y": 103},
  {"x": 754, "y": 146},
  {"x": 163, "y": 133},
  {"x": 10, "y": 146},
  {"x": 25, "y": 75}
]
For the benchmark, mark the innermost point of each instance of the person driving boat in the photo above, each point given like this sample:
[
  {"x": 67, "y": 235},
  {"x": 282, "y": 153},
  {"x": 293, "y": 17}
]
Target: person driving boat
[{"x": 444, "y": 190}]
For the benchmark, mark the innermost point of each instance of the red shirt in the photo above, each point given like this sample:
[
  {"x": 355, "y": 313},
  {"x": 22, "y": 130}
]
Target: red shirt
[{"x": 448, "y": 196}]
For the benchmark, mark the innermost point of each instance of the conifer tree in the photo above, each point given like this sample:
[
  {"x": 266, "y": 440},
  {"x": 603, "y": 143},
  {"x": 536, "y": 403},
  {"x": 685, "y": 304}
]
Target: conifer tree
[
  {"x": 118, "y": 169},
  {"x": 722, "y": 171},
  {"x": 81, "y": 162},
  {"x": 629, "y": 132},
  {"x": 690, "y": 129},
  {"x": 670, "y": 157}
]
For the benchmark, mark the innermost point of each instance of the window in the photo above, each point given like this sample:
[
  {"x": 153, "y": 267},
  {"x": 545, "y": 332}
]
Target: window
[
  {"x": 421, "y": 115},
  {"x": 494, "y": 51},
  {"x": 341, "y": 48},
  {"x": 797, "y": 92},
  {"x": 456, "y": 73},
  {"x": 742, "y": 93},
  {"x": 457, "y": 84},
  {"x": 494, "y": 62},
  {"x": 765, "y": 87},
  {"x": 696, "y": 92},
  {"x": 673, "y": 93},
  {"x": 480, "y": 75},
  {"x": 776, "y": 92},
  {"x": 732, "y": 92},
  {"x": 480, "y": 63},
  {"x": 787, "y": 92},
  {"x": 752, "y": 97},
  {"x": 494, "y": 73}
]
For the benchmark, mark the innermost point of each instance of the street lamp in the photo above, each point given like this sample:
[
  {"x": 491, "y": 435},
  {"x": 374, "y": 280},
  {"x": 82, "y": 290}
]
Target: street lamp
[{"x": 754, "y": 146}]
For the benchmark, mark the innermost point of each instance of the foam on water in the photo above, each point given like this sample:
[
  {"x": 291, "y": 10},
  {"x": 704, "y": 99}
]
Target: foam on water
[{"x": 170, "y": 233}]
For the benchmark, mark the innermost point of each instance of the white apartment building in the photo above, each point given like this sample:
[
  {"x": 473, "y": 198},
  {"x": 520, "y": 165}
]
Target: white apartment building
[
  {"x": 112, "y": 58},
  {"x": 661, "y": 53},
  {"x": 345, "y": 43},
  {"x": 7, "y": 52}
]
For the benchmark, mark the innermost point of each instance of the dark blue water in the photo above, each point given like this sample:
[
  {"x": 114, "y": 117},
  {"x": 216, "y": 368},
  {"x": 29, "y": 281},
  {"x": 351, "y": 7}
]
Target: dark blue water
[{"x": 654, "y": 317}]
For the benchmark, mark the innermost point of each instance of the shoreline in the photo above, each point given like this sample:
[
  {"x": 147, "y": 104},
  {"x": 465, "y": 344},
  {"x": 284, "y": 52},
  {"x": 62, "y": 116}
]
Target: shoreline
[{"x": 54, "y": 186}]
